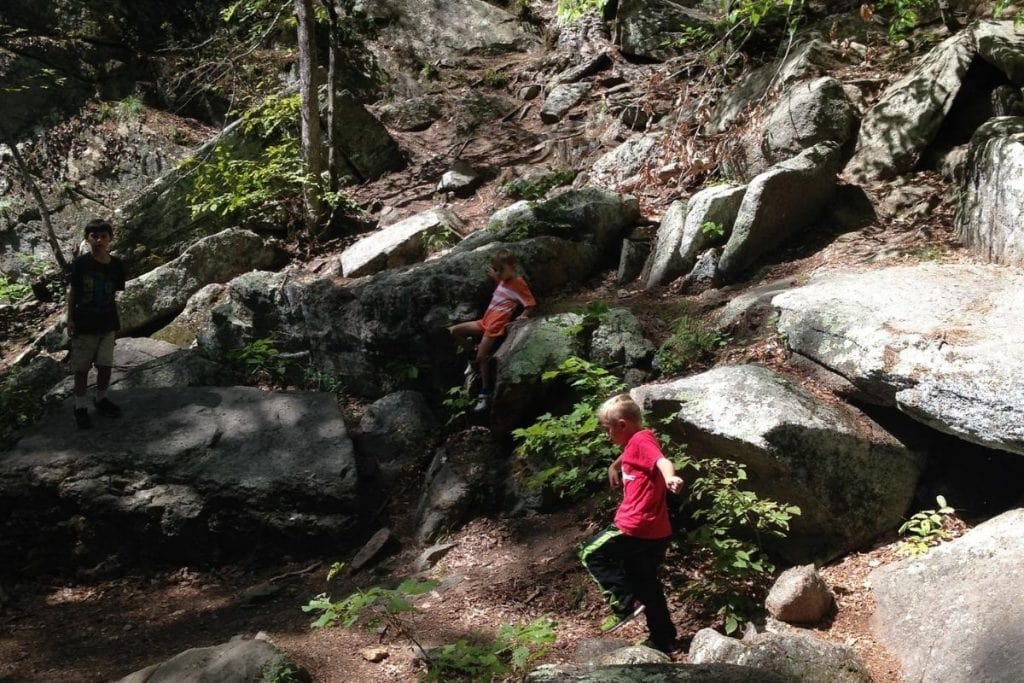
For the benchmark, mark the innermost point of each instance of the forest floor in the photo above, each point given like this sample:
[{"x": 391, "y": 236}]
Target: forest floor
[{"x": 500, "y": 570}]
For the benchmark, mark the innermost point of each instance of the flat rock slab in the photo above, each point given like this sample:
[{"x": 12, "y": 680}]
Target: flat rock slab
[
  {"x": 954, "y": 614},
  {"x": 237, "y": 661},
  {"x": 197, "y": 471},
  {"x": 940, "y": 342}
]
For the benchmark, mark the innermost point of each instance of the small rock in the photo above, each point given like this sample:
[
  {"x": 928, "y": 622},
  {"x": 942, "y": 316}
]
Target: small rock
[{"x": 374, "y": 654}]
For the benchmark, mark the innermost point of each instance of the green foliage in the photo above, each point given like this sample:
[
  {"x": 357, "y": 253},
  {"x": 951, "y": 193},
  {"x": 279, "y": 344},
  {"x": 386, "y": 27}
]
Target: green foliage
[
  {"x": 903, "y": 15},
  {"x": 691, "y": 343},
  {"x": 731, "y": 523},
  {"x": 493, "y": 78},
  {"x": 13, "y": 292},
  {"x": 712, "y": 229},
  {"x": 754, "y": 12},
  {"x": 281, "y": 670},
  {"x": 18, "y": 407},
  {"x": 371, "y": 606},
  {"x": 439, "y": 240},
  {"x": 129, "y": 109},
  {"x": 570, "y": 453},
  {"x": 457, "y": 404},
  {"x": 260, "y": 360},
  {"x": 571, "y": 11},
  {"x": 514, "y": 647},
  {"x": 537, "y": 187},
  {"x": 926, "y": 529}
]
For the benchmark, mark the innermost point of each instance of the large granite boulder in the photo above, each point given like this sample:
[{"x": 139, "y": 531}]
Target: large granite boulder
[
  {"x": 807, "y": 113},
  {"x": 237, "y": 661},
  {"x": 400, "y": 243},
  {"x": 687, "y": 229},
  {"x": 941, "y": 343},
  {"x": 652, "y": 28},
  {"x": 780, "y": 203},
  {"x": 952, "y": 615},
  {"x": 623, "y": 162},
  {"x": 990, "y": 219},
  {"x": 220, "y": 472},
  {"x": 652, "y": 673},
  {"x": 851, "y": 479},
  {"x": 909, "y": 113},
  {"x": 1001, "y": 44},
  {"x": 164, "y": 291},
  {"x": 796, "y": 658}
]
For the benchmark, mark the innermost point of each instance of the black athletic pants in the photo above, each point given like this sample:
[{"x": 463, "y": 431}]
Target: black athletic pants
[{"x": 625, "y": 569}]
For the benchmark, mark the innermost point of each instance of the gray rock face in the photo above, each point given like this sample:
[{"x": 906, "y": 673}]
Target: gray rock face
[
  {"x": 460, "y": 480},
  {"x": 990, "y": 218},
  {"x": 397, "y": 432},
  {"x": 941, "y": 343},
  {"x": 399, "y": 244},
  {"x": 952, "y": 615},
  {"x": 1002, "y": 46},
  {"x": 780, "y": 203},
  {"x": 237, "y": 661},
  {"x": 362, "y": 141},
  {"x": 652, "y": 673},
  {"x": 414, "y": 114},
  {"x": 622, "y": 162},
  {"x": 802, "y": 659},
  {"x": 619, "y": 341},
  {"x": 647, "y": 28},
  {"x": 433, "y": 30},
  {"x": 682, "y": 235},
  {"x": 851, "y": 480},
  {"x": 163, "y": 292},
  {"x": 561, "y": 99},
  {"x": 905, "y": 120},
  {"x": 807, "y": 113},
  {"x": 220, "y": 471},
  {"x": 799, "y": 596},
  {"x": 194, "y": 318}
]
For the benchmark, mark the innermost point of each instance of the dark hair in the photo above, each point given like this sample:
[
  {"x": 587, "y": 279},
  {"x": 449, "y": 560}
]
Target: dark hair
[
  {"x": 99, "y": 225},
  {"x": 503, "y": 257}
]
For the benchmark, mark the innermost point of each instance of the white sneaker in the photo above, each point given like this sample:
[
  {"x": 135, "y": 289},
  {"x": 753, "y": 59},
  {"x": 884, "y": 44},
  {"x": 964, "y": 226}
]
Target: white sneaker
[{"x": 483, "y": 402}]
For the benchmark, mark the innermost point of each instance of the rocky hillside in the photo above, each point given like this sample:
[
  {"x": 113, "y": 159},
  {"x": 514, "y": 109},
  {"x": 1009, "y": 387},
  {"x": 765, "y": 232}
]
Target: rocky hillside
[{"x": 796, "y": 239}]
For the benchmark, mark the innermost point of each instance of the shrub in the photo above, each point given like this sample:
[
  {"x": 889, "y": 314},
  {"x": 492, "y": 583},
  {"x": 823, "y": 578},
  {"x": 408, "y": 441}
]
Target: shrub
[
  {"x": 570, "y": 453},
  {"x": 925, "y": 529},
  {"x": 731, "y": 524},
  {"x": 259, "y": 360},
  {"x": 691, "y": 344}
]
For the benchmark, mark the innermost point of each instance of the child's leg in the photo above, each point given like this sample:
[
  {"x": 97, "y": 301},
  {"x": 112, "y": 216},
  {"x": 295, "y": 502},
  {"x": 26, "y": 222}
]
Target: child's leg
[
  {"x": 602, "y": 556},
  {"x": 102, "y": 379},
  {"x": 484, "y": 358},
  {"x": 641, "y": 570},
  {"x": 81, "y": 384},
  {"x": 463, "y": 331}
]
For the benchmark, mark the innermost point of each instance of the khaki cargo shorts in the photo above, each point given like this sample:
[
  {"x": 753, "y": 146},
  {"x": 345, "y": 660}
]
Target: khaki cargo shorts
[{"x": 91, "y": 349}]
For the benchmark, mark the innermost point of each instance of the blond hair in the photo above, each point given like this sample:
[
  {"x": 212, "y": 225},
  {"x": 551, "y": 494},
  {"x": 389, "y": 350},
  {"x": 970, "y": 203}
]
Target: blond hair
[{"x": 621, "y": 407}]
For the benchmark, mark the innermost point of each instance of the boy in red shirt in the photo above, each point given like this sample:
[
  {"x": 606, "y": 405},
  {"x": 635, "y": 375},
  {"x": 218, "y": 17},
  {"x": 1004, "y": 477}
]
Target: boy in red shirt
[
  {"x": 511, "y": 293},
  {"x": 623, "y": 558}
]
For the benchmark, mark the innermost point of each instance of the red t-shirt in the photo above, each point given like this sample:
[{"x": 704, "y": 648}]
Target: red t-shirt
[
  {"x": 508, "y": 296},
  {"x": 643, "y": 512}
]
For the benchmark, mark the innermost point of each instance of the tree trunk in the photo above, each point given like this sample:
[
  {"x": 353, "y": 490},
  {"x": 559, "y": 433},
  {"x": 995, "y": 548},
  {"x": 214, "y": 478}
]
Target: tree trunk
[
  {"x": 51, "y": 237},
  {"x": 333, "y": 172},
  {"x": 310, "y": 108}
]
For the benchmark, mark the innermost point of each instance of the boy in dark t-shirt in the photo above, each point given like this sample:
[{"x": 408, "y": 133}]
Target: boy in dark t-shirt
[
  {"x": 92, "y": 319},
  {"x": 623, "y": 558}
]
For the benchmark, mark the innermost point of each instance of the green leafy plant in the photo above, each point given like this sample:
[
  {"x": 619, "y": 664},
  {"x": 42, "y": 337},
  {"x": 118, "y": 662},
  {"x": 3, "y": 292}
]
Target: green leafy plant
[
  {"x": 538, "y": 186},
  {"x": 513, "y": 648},
  {"x": 18, "y": 406},
  {"x": 260, "y": 359},
  {"x": 571, "y": 11},
  {"x": 13, "y": 292},
  {"x": 371, "y": 607},
  {"x": 129, "y": 109},
  {"x": 926, "y": 529},
  {"x": 457, "y": 403},
  {"x": 904, "y": 15},
  {"x": 712, "y": 229},
  {"x": 731, "y": 525},
  {"x": 280, "y": 670},
  {"x": 493, "y": 78},
  {"x": 570, "y": 453},
  {"x": 439, "y": 240},
  {"x": 691, "y": 343}
]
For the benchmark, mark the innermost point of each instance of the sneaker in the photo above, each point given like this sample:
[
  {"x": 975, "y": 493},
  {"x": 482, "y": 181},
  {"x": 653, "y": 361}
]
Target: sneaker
[
  {"x": 617, "y": 621},
  {"x": 82, "y": 419},
  {"x": 669, "y": 648},
  {"x": 107, "y": 408},
  {"x": 483, "y": 402}
]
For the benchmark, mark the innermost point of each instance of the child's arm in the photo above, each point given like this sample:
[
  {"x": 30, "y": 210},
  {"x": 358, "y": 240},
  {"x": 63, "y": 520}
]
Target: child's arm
[
  {"x": 527, "y": 312},
  {"x": 71, "y": 306},
  {"x": 615, "y": 473},
  {"x": 668, "y": 471}
]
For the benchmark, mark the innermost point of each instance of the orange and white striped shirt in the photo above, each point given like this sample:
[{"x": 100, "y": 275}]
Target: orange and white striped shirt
[{"x": 508, "y": 296}]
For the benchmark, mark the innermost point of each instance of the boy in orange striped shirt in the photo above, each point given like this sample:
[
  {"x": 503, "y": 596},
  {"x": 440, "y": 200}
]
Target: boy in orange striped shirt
[{"x": 511, "y": 294}]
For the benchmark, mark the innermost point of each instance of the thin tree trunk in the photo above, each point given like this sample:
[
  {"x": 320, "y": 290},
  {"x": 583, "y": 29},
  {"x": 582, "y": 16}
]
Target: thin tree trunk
[
  {"x": 333, "y": 172},
  {"x": 310, "y": 108},
  {"x": 51, "y": 237}
]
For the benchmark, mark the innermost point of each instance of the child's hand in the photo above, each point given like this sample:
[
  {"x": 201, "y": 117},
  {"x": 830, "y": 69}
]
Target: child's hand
[
  {"x": 674, "y": 484},
  {"x": 614, "y": 477},
  {"x": 492, "y": 273}
]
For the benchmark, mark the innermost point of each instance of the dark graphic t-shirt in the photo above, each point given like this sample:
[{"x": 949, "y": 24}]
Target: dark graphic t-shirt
[{"x": 93, "y": 284}]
